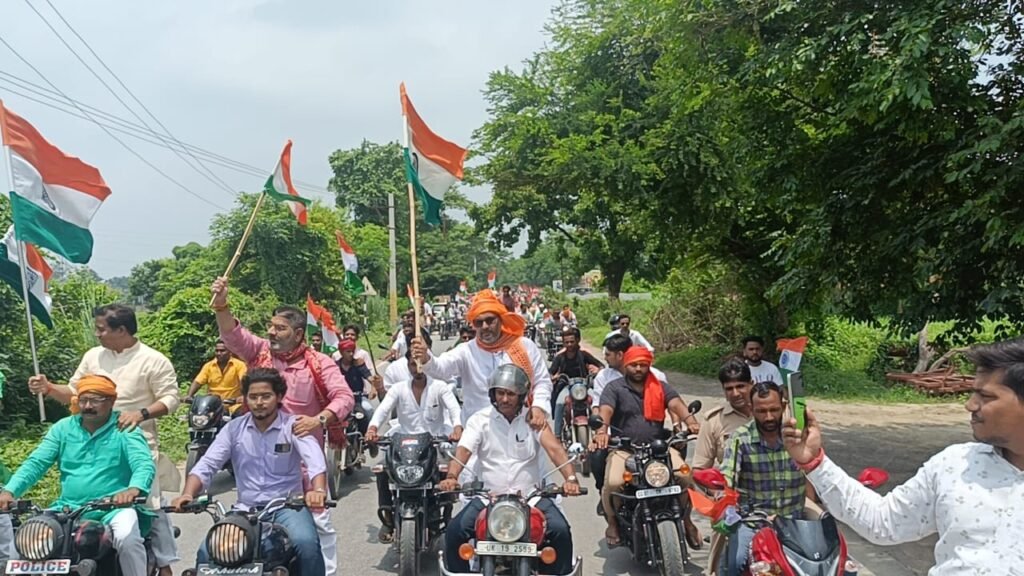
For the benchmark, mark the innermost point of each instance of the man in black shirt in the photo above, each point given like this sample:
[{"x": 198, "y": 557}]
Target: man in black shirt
[
  {"x": 571, "y": 362},
  {"x": 635, "y": 406}
]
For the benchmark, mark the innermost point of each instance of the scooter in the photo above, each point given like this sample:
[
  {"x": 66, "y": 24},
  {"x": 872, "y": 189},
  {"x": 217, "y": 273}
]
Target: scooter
[{"x": 792, "y": 547}]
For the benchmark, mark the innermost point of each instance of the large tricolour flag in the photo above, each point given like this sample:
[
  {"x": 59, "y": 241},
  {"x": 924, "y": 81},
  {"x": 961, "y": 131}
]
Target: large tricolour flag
[
  {"x": 38, "y": 274},
  {"x": 351, "y": 263},
  {"x": 432, "y": 164},
  {"x": 55, "y": 195},
  {"x": 279, "y": 187}
]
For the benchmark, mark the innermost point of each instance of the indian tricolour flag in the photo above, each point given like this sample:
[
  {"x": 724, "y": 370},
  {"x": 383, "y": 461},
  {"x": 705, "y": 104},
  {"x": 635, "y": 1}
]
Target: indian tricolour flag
[
  {"x": 492, "y": 279},
  {"x": 792, "y": 352},
  {"x": 432, "y": 164},
  {"x": 54, "y": 196},
  {"x": 38, "y": 274},
  {"x": 351, "y": 263},
  {"x": 279, "y": 187},
  {"x": 313, "y": 314}
]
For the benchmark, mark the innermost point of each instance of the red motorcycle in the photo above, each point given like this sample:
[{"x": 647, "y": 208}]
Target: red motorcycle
[{"x": 787, "y": 546}]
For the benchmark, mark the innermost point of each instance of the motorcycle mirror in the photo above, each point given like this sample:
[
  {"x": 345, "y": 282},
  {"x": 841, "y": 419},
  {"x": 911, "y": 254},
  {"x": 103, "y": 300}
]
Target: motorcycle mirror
[
  {"x": 595, "y": 422},
  {"x": 873, "y": 477},
  {"x": 695, "y": 406}
]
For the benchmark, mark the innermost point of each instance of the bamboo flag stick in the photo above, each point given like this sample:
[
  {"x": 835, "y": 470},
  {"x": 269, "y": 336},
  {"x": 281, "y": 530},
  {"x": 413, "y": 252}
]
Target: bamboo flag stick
[{"x": 245, "y": 238}]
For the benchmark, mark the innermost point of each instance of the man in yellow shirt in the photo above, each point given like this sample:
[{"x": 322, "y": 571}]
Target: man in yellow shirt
[{"x": 223, "y": 377}]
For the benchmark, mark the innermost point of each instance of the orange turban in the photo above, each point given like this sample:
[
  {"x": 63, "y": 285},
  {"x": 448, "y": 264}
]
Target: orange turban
[
  {"x": 513, "y": 328},
  {"x": 94, "y": 384},
  {"x": 654, "y": 394}
]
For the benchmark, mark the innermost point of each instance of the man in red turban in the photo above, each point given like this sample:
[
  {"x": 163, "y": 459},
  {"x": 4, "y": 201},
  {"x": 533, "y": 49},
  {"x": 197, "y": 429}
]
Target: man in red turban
[{"x": 499, "y": 340}]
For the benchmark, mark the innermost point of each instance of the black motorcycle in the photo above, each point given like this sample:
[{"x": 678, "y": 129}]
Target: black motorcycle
[
  {"x": 419, "y": 511},
  {"x": 63, "y": 542},
  {"x": 553, "y": 337},
  {"x": 207, "y": 415},
  {"x": 651, "y": 515},
  {"x": 247, "y": 542},
  {"x": 345, "y": 460},
  {"x": 576, "y": 417},
  {"x": 509, "y": 535}
]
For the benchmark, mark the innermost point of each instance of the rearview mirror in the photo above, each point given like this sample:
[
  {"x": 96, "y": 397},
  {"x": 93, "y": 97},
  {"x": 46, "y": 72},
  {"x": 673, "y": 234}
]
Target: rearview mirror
[
  {"x": 695, "y": 406},
  {"x": 595, "y": 422}
]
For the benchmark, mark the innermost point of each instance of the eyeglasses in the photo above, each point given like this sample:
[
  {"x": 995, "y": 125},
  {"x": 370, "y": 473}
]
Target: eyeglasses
[
  {"x": 481, "y": 322},
  {"x": 92, "y": 400}
]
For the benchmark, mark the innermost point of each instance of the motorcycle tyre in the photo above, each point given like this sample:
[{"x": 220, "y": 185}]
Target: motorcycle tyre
[
  {"x": 333, "y": 474},
  {"x": 583, "y": 433},
  {"x": 194, "y": 456},
  {"x": 408, "y": 555},
  {"x": 673, "y": 557}
]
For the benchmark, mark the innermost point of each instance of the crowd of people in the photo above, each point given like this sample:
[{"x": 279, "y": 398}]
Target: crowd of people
[{"x": 291, "y": 399}]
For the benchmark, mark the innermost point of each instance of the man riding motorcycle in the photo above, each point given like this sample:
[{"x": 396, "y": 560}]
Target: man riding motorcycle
[
  {"x": 509, "y": 461},
  {"x": 123, "y": 471},
  {"x": 267, "y": 457},
  {"x": 635, "y": 406},
  {"x": 571, "y": 362},
  {"x": 222, "y": 376}
]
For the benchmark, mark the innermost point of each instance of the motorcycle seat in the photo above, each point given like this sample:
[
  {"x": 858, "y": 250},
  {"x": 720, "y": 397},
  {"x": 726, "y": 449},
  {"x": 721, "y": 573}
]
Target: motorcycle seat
[{"x": 811, "y": 539}]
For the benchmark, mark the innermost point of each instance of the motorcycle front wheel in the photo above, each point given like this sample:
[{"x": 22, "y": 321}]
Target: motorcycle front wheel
[
  {"x": 194, "y": 455},
  {"x": 583, "y": 437},
  {"x": 408, "y": 554},
  {"x": 333, "y": 457},
  {"x": 672, "y": 555}
]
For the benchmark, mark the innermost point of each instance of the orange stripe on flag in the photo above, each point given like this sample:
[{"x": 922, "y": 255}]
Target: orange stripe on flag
[
  {"x": 792, "y": 344},
  {"x": 444, "y": 153},
  {"x": 56, "y": 167},
  {"x": 701, "y": 503},
  {"x": 342, "y": 244}
]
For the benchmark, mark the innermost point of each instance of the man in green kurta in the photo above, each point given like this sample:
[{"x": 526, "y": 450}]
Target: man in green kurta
[{"x": 96, "y": 460}]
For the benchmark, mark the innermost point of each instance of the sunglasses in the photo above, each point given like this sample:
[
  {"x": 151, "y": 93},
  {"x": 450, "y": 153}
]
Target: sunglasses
[
  {"x": 92, "y": 400},
  {"x": 481, "y": 322}
]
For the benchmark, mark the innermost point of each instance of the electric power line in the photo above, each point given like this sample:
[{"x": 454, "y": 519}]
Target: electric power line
[
  {"x": 108, "y": 132},
  {"x": 204, "y": 171},
  {"x": 61, "y": 100}
]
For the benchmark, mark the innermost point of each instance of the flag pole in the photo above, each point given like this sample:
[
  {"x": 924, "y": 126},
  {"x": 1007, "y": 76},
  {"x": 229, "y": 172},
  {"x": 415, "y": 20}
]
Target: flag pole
[
  {"x": 416, "y": 306},
  {"x": 23, "y": 262},
  {"x": 392, "y": 261},
  {"x": 245, "y": 238}
]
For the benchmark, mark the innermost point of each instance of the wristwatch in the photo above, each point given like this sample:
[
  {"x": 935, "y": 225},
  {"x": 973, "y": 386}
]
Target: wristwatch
[
  {"x": 572, "y": 479},
  {"x": 145, "y": 413},
  {"x": 323, "y": 420}
]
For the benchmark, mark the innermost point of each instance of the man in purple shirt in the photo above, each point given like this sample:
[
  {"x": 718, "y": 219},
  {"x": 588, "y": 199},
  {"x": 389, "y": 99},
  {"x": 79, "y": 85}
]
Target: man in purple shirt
[{"x": 267, "y": 456}]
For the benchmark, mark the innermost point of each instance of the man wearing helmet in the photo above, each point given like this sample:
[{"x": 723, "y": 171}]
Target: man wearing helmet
[
  {"x": 499, "y": 340},
  {"x": 508, "y": 458}
]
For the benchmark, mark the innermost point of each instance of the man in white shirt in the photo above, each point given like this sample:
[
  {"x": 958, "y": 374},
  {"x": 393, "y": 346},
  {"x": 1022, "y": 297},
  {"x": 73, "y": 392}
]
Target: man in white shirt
[
  {"x": 971, "y": 494},
  {"x": 147, "y": 388},
  {"x": 508, "y": 454},
  {"x": 422, "y": 404},
  {"x": 761, "y": 370},
  {"x": 634, "y": 336},
  {"x": 499, "y": 340}
]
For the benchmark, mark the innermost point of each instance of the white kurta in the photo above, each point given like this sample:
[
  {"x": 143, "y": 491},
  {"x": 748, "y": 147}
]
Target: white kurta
[
  {"x": 427, "y": 415},
  {"x": 475, "y": 365},
  {"x": 508, "y": 454}
]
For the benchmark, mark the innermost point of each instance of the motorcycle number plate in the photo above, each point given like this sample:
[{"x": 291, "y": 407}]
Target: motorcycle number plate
[
  {"x": 246, "y": 569},
  {"x": 39, "y": 566},
  {"x": 503, "y": 549},
  {"x": 655, "y": 492}
]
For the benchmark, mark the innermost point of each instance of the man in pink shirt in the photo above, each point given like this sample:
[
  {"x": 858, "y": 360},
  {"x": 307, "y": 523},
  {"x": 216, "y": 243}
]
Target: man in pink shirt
[{"x": 317, "y": 393}]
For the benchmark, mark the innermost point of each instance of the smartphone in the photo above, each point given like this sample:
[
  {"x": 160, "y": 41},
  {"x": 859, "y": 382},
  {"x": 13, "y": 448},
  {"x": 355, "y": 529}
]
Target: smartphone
[{"x": 797, "y": 400}]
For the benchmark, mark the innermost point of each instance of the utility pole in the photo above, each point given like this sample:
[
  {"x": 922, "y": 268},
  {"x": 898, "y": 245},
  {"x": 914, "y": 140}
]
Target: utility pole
[{"x": 392, "y": 273}]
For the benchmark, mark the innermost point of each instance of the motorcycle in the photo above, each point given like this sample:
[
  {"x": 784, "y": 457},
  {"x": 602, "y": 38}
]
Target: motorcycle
[
  {"x": 813, "y": 546},
  {"x": 62, "y": 542},
  {"x": 237, "y": 539},
  {"x": 419, "y": 511},
  {"x": 576, "y": 420},
  {"x": 553, "y": 337},
  {"x": 651, "y": 515},
  {"x": 206, "y": 417},
  {"x": 509, "y": 535},
  {"x": 345, "y": 459}
]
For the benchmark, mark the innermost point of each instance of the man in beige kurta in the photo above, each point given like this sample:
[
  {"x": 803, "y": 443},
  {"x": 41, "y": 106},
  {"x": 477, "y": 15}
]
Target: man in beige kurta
[{"x": 147, "y": 388}]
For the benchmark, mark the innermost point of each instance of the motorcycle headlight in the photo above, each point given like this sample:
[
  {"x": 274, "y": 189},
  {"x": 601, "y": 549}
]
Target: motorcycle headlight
[
  {"x": 657, "y": 474},
  {"x": 199, "y": 420},
  {"x": 39, "y": 538},
  {"x": 506, "y": 521},
  {"x": 409, "y": 473},
  {"x": 578, "y": 392},
  {"x": 229, "y": 544}
]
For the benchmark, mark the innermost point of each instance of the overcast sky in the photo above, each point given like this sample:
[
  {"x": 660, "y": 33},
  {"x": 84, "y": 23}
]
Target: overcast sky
[{"x": 239, "y": 77}]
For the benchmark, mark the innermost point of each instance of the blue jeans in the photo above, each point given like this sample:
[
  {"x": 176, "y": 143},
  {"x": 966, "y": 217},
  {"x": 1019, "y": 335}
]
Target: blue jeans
[
  {"x": 737, "y": 555},
  {"x": 303, "y": 535}
]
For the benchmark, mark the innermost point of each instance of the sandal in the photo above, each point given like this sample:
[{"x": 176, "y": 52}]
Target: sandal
[
  {"x": 612, "y": 541},
  {"x": 386, "y": 535}
]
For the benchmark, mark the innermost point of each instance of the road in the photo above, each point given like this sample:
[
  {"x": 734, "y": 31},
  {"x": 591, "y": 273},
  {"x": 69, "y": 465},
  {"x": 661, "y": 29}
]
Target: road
[{"x": 902, "y": 444}]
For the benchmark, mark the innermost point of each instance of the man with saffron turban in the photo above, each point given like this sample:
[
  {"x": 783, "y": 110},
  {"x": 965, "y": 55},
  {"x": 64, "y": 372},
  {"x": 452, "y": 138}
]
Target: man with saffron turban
[
  {"x": 123, "y": 471},
  {"x": 635, "y": 406},
  {"x": 499, "y": 340}
]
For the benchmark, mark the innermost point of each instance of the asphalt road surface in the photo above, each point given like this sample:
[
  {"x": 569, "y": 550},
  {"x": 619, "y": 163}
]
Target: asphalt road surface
[{"x": 359, "y": 552}]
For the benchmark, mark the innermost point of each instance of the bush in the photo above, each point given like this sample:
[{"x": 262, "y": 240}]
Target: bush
[{"x": 697, "y": 360}]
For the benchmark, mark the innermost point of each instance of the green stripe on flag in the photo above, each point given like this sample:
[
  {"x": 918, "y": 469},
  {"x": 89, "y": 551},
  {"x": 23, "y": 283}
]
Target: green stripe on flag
[
  {"x": 431, "y": 206},
  {"x": 353, "y": 283},
  {"x": 45, "y": 229},
  {"x": 283, "y": 196},
  {"x": 10, "y": 274}
]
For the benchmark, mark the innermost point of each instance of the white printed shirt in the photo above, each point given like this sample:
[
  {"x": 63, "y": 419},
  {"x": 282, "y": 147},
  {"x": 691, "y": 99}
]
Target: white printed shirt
[
  {"x": 635, "y": 337},
  {"x": 766, "y": 372},
  {"x": 414, "y": 417},
  {"x": 968, "y": 493},
  {"x": 508, "y": 454}
]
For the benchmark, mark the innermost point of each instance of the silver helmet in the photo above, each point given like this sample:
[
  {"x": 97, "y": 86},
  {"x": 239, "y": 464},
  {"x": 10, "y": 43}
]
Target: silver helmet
[{"x": 509, "y": 377}]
